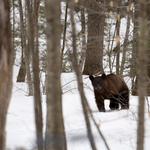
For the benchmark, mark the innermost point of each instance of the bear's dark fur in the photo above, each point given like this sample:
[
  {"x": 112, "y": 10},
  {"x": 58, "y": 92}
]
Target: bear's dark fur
[{"x": 111, "y": 87}]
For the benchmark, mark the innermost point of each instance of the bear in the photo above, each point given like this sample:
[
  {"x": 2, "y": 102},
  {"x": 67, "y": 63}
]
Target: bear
[{"x": 111, "y": 87}]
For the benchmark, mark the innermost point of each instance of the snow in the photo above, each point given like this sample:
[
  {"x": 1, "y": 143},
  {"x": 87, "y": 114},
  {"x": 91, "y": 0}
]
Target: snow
[{"x": 118, "y": 127}]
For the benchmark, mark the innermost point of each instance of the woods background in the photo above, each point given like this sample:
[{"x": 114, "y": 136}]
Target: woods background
[{"x": 86, "y": 36}]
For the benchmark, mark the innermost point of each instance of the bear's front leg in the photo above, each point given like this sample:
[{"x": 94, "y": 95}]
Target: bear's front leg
[{"x": 100, "y": 105}]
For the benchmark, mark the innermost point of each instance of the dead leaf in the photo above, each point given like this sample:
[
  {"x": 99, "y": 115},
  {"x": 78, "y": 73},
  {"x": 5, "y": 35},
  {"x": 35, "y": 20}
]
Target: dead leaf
[
  {"x": 117, "y": 39},
  {"x": 118, "y": 17},
  {"x": 111, "y": 14},
  {"x": 131, "y": 7},
  {"x": 76, "y": 1},
  {"x": 111, "y": 4}
]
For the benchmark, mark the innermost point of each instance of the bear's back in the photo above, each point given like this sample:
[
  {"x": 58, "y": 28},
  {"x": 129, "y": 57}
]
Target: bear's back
[{"x": 118, "y": 82}]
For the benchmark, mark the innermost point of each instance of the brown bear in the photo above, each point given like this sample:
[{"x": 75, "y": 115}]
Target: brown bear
[{"x": 111, "y": 87}]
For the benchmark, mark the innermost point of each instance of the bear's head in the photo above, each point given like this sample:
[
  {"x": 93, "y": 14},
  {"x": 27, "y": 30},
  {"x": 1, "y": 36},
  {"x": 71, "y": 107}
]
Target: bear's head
[{"x": 98, "y": 82}]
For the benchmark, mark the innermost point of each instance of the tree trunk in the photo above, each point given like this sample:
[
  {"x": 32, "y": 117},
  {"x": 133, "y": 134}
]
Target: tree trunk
[
  {"x": 29, "y": 81},
  {"x": 94, "y": 52},
  {"x": 118, "y": 39},
  {"x": 22, "y": 71},
  {"x": 133, "y": 69},
  {"x": 64, "y": 35},
  {"x": 55, "y": 136},
  {"x": 125, "y": 46},
  {"x": 79, "y": 78},
  {"x": 148, "y": 18},
  {"x": 35, "y": 64},
  {"x": 83, "y": 50},
  {"x": 6, "y": 66},
  {"x": 142, "y": 72}
]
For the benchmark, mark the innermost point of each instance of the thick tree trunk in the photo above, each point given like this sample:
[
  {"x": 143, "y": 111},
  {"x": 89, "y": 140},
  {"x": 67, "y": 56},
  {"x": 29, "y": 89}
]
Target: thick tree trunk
[
  {"x": 94, "y": 52},
  {"x": 55, "y": 137},
  {"x": 148, "y": 18},
  {"x": 6, "y": 66},
  {"x": 22, "y": 71},
  {"x": 142, "y": 72}
]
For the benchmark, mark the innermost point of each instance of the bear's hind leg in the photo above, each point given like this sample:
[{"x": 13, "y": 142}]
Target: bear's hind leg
[
  {"x": 124, "y": 101},
  {"x": 113, "y": 104}
]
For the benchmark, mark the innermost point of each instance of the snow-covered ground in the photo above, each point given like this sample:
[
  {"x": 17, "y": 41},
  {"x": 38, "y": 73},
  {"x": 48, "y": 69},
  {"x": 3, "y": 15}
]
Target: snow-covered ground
[{"x": 118, "y": 127}]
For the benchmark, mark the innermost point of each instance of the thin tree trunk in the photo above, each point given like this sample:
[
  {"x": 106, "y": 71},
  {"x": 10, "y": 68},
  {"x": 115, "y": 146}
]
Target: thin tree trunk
[
  {"x": 133, "y": 70},
  {"x": 35, "y": 65},
  {"x": 55, "y": 133},
  {"x": 79, "y": 78},
  {"x": 142, "y": 72},
  {"x": 83, "y": 50},
  {"x": 13, "y": 35},
  {"x": 125, "y": 46},
  {"x": 29, "y": 81},
  {"x": 64, "y": 35},
  {"x": 6, "y": 66},
  {"x": 118, "y": 39}
]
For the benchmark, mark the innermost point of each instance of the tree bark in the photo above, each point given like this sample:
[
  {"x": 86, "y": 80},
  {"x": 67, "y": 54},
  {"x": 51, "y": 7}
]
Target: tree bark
[
  {"x": 6, "y": 66},
  {"x": 148, "y": 18},
  {"x": 55, "y": 136},
  {"x": 94, "y": 52},
  {"x": 142, "y": 72},
  {"x": 22, "y": 71}
]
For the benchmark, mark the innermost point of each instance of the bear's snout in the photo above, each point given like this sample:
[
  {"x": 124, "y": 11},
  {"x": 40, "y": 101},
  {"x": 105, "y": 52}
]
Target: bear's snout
[{"x": 98, "y": 88}]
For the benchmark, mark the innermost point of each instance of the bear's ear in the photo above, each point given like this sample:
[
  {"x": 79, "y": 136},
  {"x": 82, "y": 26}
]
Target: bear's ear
[
  {"x": 103, "y": 76},
  {"x": 91, "y": 77}
]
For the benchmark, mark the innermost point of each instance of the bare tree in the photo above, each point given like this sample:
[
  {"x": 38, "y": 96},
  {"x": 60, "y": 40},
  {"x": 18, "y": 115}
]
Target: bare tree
[
  {"x": 23, "y": 36},
  {"x": 79, "y": 77},
  {"x": 64, "y": 34},
  {"x": 6, "y": 66},
  {"x": 142, "y": 72},
  {"x": 125, "y": 44},
  {"x": 55, "y": 136},
  {"x": 83, "y": 32},
  {"x": 118, "y": 38},
  {"x": 35, "y": 64},
  {"x": 134, "y": 66}
]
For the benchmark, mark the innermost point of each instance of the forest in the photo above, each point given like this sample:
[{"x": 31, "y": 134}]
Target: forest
[{"x": 48, "y": 50}]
